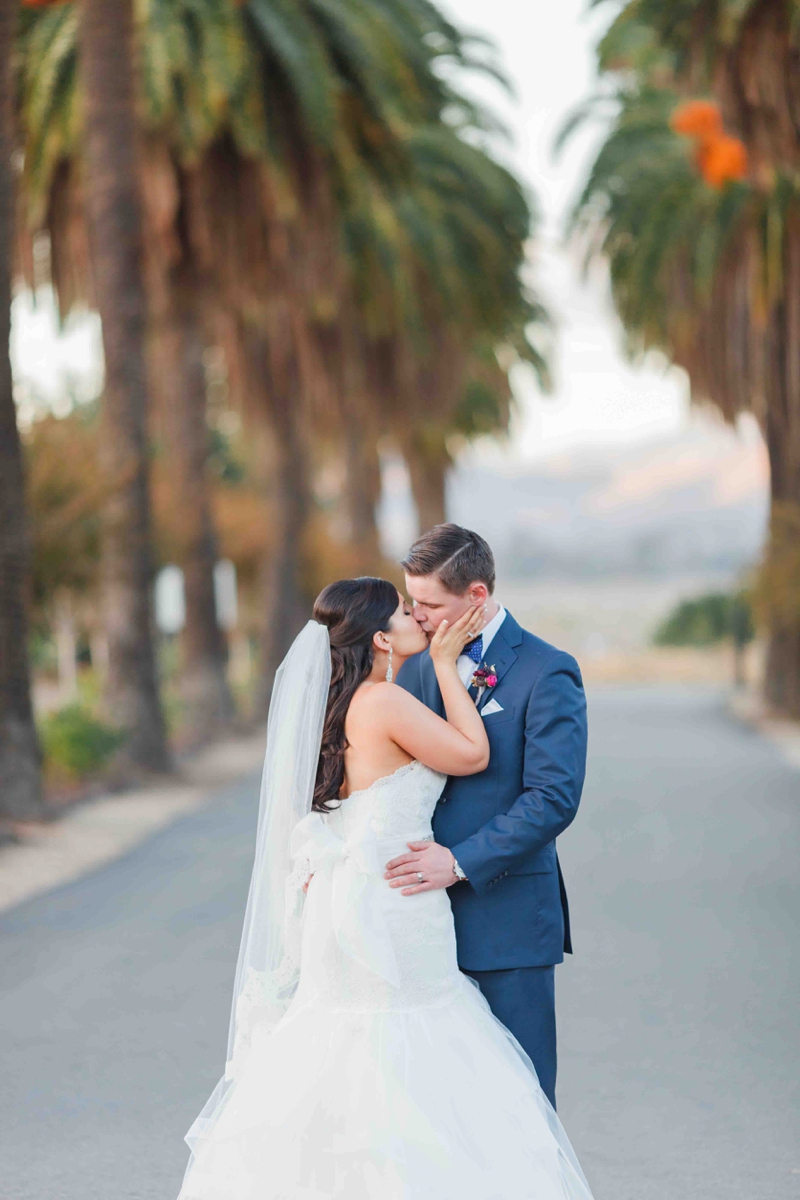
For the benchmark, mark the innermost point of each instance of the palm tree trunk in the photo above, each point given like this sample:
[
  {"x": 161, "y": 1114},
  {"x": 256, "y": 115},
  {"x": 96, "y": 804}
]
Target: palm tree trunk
[
  {"x": 362, "y": 493},
  {"x": 286, "y": 586},
  {"x": 782, "y": 671},
  {"x": 782, "y": 677},
  {"x": 428, "y": 466},
  {"x": 115, "y": 238},
  {"x": 783, "y": 653},
  {"x": 20, "y": 777},
  {"x": 756, "y": 80},
  {"x": 179, "y": 381}
]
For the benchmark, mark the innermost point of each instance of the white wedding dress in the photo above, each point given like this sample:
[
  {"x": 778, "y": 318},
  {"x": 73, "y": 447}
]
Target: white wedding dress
[{"x": 388, "y": 1077}]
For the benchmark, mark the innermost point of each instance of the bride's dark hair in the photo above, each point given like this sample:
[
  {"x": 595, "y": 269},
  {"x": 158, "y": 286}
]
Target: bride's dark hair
[{"x": 354, "y": 610}]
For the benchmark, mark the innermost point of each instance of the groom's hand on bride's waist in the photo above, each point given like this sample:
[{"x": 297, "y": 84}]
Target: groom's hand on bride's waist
[{"x": 428, "y": 860}]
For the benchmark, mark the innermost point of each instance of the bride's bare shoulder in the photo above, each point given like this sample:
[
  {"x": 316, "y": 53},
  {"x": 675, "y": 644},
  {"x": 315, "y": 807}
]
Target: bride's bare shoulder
[{"x": 379, "y": 700}]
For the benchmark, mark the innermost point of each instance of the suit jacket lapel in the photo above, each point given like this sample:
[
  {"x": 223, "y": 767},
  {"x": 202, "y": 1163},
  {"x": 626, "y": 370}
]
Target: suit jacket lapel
[{"x": 501, "y": 654}]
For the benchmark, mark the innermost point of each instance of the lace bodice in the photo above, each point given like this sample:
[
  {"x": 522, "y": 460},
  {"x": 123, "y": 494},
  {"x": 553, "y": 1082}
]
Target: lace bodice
[{"x": 399, "y": 806}]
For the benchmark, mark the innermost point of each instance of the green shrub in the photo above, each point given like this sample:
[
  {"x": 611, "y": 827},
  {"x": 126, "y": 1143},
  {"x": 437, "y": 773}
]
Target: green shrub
[
  {"x": 76, "y": 743},
  {"x": 707, "y": 620}
]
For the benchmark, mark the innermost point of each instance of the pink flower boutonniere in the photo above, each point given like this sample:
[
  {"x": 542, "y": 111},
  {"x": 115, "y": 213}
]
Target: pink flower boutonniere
[{"x": 484, "y": 678}]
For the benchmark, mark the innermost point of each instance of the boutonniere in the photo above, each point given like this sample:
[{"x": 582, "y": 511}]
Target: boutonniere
[{"x": 484, "y": 678}]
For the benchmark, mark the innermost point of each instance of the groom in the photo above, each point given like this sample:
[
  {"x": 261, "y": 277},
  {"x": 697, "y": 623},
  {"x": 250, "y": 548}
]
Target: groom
[{"x": 495, "y": 832}]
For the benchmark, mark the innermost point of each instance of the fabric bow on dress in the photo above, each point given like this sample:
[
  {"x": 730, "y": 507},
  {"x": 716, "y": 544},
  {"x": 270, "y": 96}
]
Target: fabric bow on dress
[{"x": 357, "y": 914}]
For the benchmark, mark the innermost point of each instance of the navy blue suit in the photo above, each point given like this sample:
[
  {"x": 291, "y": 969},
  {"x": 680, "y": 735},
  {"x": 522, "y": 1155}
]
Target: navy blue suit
[{"x": 511, "y": 917}]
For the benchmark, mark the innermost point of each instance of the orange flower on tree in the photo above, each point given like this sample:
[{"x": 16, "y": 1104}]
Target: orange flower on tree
[
  {"x": 720, "y": 158},
  {"x": 698, "y": 118}
]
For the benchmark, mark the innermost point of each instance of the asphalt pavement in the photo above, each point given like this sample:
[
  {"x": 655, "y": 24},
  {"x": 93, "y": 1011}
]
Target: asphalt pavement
[{"x": 679, "y": 1054}]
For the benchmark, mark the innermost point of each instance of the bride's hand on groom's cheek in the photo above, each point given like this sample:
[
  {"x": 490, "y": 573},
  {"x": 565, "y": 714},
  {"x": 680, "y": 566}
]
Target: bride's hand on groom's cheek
[{"x": 433, "y": 862}]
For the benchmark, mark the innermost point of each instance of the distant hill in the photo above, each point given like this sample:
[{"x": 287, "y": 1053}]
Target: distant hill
[{"x": 694, "y": 502}]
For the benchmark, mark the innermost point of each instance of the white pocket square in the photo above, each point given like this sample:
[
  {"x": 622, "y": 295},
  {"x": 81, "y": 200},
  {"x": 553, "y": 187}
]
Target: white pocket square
[{"x": 491, "y": 707}]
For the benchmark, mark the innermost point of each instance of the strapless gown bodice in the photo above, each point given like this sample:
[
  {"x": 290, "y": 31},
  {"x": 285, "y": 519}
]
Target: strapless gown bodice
[{"x": 399, "y": 806}]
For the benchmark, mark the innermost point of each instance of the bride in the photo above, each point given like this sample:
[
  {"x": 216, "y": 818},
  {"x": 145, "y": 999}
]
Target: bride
[{"x": 363, "y": 1065}]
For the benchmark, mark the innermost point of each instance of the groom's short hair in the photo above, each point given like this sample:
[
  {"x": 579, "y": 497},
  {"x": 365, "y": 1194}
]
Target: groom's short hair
[{"x": 457, "y": 556}]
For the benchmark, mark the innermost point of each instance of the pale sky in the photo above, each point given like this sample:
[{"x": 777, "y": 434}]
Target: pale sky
[
  {"x": 546, "y": 50},
  {"x": 52, "y": 365}
]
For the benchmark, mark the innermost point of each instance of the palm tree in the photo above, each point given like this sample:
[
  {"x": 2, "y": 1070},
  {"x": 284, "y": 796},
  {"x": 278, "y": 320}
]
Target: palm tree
[
  {"x": 177, "y": 346},
  {"x": 709, "y": 274},
  {"x": 747, "y": 55},
  {"x": 453, "y": 315},
  {"x": 483, "y": 409},
  {"x": 105, "y": 36},
  {"x": 246, "y": 103},
  {"x": 20, "y": 780},
  {"x": 182, "y": 79}
]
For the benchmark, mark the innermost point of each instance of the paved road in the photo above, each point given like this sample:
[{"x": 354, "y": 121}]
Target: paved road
[{"x": 678, "y": 1033}]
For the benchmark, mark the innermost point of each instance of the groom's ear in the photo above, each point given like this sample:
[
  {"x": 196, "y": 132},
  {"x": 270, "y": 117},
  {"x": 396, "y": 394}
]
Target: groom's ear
[{"x": 477, "y": 593}]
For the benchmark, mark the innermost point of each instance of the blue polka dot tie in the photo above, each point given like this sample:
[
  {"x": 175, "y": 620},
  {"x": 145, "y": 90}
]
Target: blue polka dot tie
[{"x": 474, "y": 650}]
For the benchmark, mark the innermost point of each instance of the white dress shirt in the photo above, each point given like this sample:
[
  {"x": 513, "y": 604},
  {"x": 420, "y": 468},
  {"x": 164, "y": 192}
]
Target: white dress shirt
[{"x": 464, "y": 664}]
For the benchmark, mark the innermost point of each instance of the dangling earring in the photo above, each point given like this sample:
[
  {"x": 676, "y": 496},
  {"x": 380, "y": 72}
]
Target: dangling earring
[{"x": 389, "y": 671}]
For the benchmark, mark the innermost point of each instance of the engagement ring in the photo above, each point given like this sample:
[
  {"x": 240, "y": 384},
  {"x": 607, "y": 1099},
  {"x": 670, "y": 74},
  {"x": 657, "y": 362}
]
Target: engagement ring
[{"x": 420, "y": 877}]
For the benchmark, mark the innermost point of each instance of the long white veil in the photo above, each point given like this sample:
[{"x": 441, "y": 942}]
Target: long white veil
[{"x": 268, "y": 967}]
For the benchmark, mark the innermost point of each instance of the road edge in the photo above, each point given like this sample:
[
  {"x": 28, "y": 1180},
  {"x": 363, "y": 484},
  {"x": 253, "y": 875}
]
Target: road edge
[
  {"x": 748, "y": 707},
  {"x": 97, "y": 832}
]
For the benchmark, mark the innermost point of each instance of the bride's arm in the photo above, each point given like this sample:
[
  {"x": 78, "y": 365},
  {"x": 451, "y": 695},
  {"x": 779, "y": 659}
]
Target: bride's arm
[{"x": 456, "y": 746}]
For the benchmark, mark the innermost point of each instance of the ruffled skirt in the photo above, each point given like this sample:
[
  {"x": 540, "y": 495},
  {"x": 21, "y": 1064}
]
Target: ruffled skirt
[{"x": 437, "y": 1103}]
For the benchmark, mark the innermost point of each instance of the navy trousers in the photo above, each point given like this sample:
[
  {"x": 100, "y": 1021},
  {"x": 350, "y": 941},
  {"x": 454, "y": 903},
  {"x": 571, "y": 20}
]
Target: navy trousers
[{"x": 523, "y": 998}]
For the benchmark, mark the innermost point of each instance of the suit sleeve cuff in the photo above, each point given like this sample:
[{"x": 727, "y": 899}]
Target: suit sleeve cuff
[{"x": 478, "y": 874}]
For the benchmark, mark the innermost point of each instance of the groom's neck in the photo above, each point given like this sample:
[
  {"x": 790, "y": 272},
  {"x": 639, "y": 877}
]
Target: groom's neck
[{"x": 492, "y": 609}]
